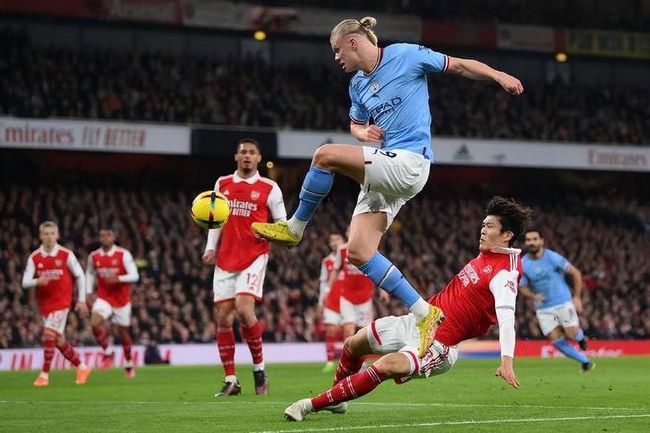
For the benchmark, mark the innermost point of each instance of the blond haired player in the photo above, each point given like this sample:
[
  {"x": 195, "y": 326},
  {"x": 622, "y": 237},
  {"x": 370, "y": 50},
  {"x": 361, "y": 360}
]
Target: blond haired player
[
  {"x": 241, "y": 259},
  {"x": 114, "y": 270},
  {"x": 390, "y": 108},
  {"x": 51, "y": 269}
]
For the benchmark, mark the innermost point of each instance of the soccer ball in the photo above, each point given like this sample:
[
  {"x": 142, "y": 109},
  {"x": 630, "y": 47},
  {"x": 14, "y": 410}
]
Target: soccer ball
[{"x": 210, "y": 210}]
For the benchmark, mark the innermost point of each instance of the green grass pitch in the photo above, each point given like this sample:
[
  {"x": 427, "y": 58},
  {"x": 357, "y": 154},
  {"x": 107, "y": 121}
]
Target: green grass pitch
[{"x": 554, "y": 397}]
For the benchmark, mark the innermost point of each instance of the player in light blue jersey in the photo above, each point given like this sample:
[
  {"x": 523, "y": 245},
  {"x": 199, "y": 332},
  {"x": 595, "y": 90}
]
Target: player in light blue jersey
[
  {"x": 557, "y": 310},
  {"x": 390, "y": 108}
]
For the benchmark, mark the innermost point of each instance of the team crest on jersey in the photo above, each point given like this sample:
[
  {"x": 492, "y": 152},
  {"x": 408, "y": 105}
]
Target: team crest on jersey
[
  {"x": 40, "y": 266},
  {"x": 487, "y": 269},
  {"x": 255, "y": 195},
  {"x": 58, "y": 262},
  {"x": 114, "y": 262},
  {"x": 226, "y": 192},
  {"x": 374, "y": 87}
]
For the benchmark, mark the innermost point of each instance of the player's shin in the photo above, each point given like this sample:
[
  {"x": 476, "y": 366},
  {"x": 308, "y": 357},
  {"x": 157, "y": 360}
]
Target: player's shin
[
  {"x": 350, "y": 388},
  {"x": 315, "y": 187},
  {"x": 386, "y": 276},
  {"x": 348, "y": 365}
]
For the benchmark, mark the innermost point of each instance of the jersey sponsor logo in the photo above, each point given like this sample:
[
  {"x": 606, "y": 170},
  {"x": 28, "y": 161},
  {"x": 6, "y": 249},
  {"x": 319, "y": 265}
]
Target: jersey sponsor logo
[
  {"x": 467, "y": 275},
  {"x": 241, "y": 208},
  {"x": 487, "y": 269},
  {"x": 385, "y": 107},
  {"x": 374, "y": 87},
  {"x": 255, "y": 195}
]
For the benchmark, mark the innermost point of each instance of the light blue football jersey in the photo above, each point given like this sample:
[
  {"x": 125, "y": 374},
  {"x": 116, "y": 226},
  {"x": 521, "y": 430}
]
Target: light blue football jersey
[
  {"x": 546, "y": 276},
  {"x": 395, "y": 96}
]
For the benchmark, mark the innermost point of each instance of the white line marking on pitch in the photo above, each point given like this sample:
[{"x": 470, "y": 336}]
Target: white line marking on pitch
[
  {"x": 286, "y": 403},
  {"x": 452, "y": 423}
]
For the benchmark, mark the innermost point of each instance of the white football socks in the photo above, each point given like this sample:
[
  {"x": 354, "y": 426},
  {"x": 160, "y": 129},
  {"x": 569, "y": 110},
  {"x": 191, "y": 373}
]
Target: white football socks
[
  {"x": 420, "y": 309},
  {"x": 296, "y": 226}
]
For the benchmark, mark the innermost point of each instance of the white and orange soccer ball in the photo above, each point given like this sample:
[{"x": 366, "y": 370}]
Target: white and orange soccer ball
[{"x": 210, "y": 210}]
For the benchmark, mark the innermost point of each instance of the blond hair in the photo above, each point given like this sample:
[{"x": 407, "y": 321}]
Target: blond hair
[
  {"x": 362, "y": 27},
  {"x": 46, "y": 225}
]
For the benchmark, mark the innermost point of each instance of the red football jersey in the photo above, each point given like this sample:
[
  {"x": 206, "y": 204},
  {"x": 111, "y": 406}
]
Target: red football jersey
[
  {"x": 468, "y": 302},
  {"x": 62, "y": 267},
  {"x": 332, "y": 299},
  {"x": 115, "y": 261},
  {"x": 356, "y": 287},
  {"x": 256, "y": 199}
]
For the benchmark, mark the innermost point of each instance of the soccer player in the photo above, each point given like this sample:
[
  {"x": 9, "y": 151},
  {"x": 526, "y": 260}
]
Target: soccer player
[
  {"x": 356, "y": 294},
  {"x": 114, "y": 270},
  {"x": 482, "y": 294},
  {"x": 557, "y": 311},
  {"x": 329, "y": 301},
  {"x": 390, "y": 108},
  {"x": 241, "y": 260},
  {"x": 51, "y": 269}
]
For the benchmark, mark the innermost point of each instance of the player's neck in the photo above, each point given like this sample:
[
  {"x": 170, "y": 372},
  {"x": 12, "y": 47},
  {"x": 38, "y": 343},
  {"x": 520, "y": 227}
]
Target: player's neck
[
  {"x": 538, "y": 254},
  {"x": 374, "y": 59},
  {"x": 48, "y": 249},
  {"x": 246, "y": 174},
  {"x": 107, "y": 249}
]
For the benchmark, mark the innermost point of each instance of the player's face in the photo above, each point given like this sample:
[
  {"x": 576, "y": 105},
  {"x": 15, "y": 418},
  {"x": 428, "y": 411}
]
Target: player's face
[
  {"x": 345, "y": 53},
  {"x": 247, "y": 157},
  {"x": 335, "y": 241},
  {"x": 106, "y": 238},
  {"x": 534, "y": 242},
  {"x": 49, "y": 236},
  {"x": 491, "y": 234}
]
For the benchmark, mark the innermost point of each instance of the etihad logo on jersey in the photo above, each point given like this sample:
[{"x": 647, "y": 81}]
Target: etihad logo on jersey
[
  {"x": 241, "y": 208},
  {"x": 385, "y": 107},
  {"x": 467, "y": 275}
]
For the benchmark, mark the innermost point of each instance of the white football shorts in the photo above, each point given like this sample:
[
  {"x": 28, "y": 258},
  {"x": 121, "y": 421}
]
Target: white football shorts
[
  {"x": 56, "y": 320},
  {"x": 563, "y": 315},
  {"x": 400, "y": 334},
  {"x": 228, "y": 284},
  {"x": 391, "y": 179},
  {"x": 120, "y": 316},
  {"x": 331, "y": 317},
  {"x": 359, "y": 314}
]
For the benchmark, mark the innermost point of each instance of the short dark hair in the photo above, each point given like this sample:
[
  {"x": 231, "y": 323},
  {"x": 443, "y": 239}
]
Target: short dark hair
[
  {"x": 534, "y": 230},
  {"x": 251, "y": 141},
  {"x": 513, "y": 216}
]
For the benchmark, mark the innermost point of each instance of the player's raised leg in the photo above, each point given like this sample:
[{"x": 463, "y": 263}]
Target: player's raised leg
[
  {"x": 69, "y": 353},
  {"x": 328, "y": 159},
  {"x": 559, "y": 341},
  {"x": 366, "y": 231}
]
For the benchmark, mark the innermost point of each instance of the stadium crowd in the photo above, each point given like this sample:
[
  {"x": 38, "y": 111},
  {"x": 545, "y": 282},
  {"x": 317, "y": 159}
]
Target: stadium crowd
[
  {"x": 607, "y": 239},
  {"x": 111, "y": 84}
]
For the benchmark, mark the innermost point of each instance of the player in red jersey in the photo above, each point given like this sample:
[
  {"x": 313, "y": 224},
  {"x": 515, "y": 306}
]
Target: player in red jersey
[
  {"x": 356, "y": 294},
  {"x": 241, "y": 259},
  {"x": 51, "y": 269},
  {"x": 114, "y": 270},
  {"x": 482, "y": 294},
  {"x": 329, "y": 301}
]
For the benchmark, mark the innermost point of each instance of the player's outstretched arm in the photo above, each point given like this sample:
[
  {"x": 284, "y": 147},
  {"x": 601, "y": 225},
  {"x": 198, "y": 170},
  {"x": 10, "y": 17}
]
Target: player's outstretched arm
[{"x": 476, "y": 70}]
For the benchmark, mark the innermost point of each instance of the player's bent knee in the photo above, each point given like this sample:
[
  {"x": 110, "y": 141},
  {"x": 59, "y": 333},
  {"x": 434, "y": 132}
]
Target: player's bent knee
[
  {"x": 325, "y": 157},
  {"x": 393, "y": 365},
  {"x": 357, "y": 256}
]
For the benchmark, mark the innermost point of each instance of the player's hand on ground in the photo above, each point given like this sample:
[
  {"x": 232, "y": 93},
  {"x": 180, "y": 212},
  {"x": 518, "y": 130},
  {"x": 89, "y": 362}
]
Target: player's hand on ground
[
  {"x": 208, "y": 257},
  {"x": 373, "y": 134},
  {"x": 577, "y": 302},
  {"x": 82, "y": 309},
  {"x": 506, "y": 372},
  {"x": 510, "y": 84}
]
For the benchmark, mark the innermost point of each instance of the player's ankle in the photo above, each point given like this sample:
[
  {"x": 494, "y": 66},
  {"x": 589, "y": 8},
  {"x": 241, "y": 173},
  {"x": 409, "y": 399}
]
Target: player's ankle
[
  {"x": 420, "y": 309},
  {"x": 296, "y": 226}
]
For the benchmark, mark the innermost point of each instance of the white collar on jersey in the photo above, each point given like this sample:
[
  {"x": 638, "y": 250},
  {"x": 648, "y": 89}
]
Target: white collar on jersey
[
  {"x": 254, "y": 178},
  {"x": 110, "y": 251},
  {"x": 52, "y": 253},
  {"x": 504, "y": 250}
]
